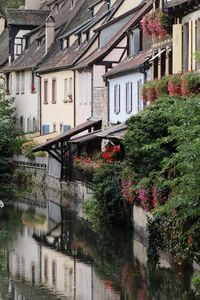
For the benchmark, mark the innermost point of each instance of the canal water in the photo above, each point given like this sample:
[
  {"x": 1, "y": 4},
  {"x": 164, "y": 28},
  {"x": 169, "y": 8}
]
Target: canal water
[{"x": 47, "y": 251}]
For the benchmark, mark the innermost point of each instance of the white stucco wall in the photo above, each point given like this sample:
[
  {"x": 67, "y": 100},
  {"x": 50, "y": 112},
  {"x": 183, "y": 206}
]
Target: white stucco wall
[
  {"x": 122, "y": 116},
  {"x": 59, "y": 112},
  {"x": 27, "y": 103},
  {"x": 25, "y": 254}
]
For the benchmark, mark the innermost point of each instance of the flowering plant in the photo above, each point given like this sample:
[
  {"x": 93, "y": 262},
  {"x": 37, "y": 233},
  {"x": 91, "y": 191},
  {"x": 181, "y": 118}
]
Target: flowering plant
[
  {"x": 174, "y": 85},
  {"x": 86, "y": 163},
  {"x": 149, "y": 91},
  {"x": 190, "y": 84},
  {"x": 156, "y": 23},
  {"x": 111, "y": 153},
  {"x": 152, "y": 197},
  {"x": 126, "y": 189}
]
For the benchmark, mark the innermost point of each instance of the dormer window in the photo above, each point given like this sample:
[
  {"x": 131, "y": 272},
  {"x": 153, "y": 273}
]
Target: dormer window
[
  {"x": 108, "y": 3},
  {"x": 88, "y": 35},
  {"x": 57, "y": 8},
  {"x": 135, "y": 41},
  {"x": 62, "y": 45},
  {"x": 39, "y": 43},
  {"x": 68, "y": 42},
  {"x": 79, "y": 39},
  {"x": 72, "y": 3}
]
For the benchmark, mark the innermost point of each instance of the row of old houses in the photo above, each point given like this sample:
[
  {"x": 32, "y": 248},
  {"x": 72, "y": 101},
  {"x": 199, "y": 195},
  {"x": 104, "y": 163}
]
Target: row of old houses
[{"x": 76, "y": 67}]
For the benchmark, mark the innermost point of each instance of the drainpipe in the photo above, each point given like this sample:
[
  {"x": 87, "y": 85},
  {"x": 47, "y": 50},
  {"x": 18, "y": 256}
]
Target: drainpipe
[
  {"x": 40, "y": 103},
  {"x": 108, "y": 101},
  {"x": 74, "y": 97}
]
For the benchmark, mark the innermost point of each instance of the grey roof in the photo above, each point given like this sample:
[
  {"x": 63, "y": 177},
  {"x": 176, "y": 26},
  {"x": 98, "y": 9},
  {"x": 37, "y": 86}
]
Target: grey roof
[
  {"x": 26, "y": 17},
  {"x": 4, "y": 47},
  {"x": 99, "y": 54},
  {"x": 30, "y": 58},
  {"x": 113, "y": 130},
  {"x": 57, "y": 58},
  {"x": 130, "y": 63}
]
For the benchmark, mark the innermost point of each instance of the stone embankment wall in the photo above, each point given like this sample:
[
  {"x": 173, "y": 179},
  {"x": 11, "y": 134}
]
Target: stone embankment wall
[{"x": 38, "y": 168}]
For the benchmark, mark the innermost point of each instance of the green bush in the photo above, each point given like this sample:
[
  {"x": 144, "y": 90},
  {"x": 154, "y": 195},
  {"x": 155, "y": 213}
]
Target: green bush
[
  {"x": 108, "y": 205},
  {"x": 163, "y": 149},
  {"x": 17, "y": 145},
  {"x": 27, "y": 150}
]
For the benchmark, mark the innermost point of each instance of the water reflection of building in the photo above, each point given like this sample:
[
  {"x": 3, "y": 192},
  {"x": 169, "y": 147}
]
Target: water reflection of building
[{"x": 52, "y": 259}]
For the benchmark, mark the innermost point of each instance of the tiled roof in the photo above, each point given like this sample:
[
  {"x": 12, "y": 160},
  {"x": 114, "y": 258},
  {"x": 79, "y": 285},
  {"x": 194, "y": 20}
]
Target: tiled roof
[
  {"x": 130, "y": 63},
  {"x": 30, "y": 58},
  {"x": 101, "y": 53},
  {"x": 57, "y": 58},
  {"x": 4, "y": 47},
  {"x": 26, "y": 17},
  {"x": 111, "y": 130}
]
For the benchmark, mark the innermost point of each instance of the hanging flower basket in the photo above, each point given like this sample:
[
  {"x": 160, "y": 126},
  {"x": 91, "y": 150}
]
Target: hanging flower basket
[{"x": 156, "y": 23}]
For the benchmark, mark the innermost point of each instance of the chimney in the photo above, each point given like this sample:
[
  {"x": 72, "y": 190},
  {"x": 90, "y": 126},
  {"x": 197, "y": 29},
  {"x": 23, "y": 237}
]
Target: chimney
[
  {"x": 32, "y": 4},
  {"x": 50, "y": 32},
  {"x": 2, "y": 24}
]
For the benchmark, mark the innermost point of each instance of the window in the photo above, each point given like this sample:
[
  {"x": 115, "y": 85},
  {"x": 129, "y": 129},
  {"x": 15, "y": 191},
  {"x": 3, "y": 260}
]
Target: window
[
  {"x": 21, "y": 122},
  {"x": 72, "y": 3},
  {"x": 35, "y": 124},
  {"x": 46, "y": 269},
  {"x": 22, "y": 82},
  {"x": 117, "y": 98},
  {"x": 68, "y": 88},
  {"x": 54, "y": 127},
  {"x": 45, "y": 129},
  {"x": 54, "y": 90},
  {"x": 139, "y": 95},
  {"x": 17, "y": 82},
  {"x": 61, "y": 127},
  {"x": 54, "y": 272},
  {"x": 79, "y": 39},
  {"x": 45, "y": 91},
  {"x": 29, "y": 125},
  {"x": 135, "y": 42},
  {"x": 66, "y": 128},
  {"x": 65, "y": 90},
  {"x": 129, "y": 97}
]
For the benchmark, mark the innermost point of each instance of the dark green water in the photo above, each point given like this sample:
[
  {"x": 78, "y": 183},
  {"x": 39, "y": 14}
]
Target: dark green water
[{"x": 48, "y": 252}]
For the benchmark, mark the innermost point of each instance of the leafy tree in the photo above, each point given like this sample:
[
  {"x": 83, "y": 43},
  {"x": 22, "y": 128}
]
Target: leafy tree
[
  {"x": 108, "y": 205},
  {"x": 7, "y": 135},
  {"x": 163, "y": 148}
]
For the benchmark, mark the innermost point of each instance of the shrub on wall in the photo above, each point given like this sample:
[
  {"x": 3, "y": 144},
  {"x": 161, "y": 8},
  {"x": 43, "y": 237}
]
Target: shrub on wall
[
  {"x": 108, "y": 205},
  {"x": 163, "y": 155}
]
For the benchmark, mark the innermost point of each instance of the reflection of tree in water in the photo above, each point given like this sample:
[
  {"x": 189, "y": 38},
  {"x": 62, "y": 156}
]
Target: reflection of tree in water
[
  {"x": 10, "y": 222},
  {"x": 112, "y": 254}
]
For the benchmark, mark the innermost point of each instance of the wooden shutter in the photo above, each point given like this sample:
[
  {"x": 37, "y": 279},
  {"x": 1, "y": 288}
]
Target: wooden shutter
[
  {"x": 177, "y": 48},
  {"x": 185, "y": 46}
]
